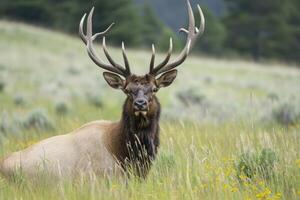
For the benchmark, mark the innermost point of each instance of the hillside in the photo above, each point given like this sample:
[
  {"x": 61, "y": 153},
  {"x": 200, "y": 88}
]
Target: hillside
[
  {"x": 229, "y": 128},
  {"x": 40, "y": 64}
]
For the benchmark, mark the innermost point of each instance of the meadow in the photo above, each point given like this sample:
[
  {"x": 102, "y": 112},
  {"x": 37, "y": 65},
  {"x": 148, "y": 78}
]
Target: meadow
[{"x": 230, "y": 129}]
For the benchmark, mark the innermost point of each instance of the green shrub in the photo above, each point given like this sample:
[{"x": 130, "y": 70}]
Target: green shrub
[
  {"x": 73, "y": 71},
  {"x": 259, "y": 163},
  {"x": 2, "y": 67},
  {"x": 19, "y": 100},
  {"x": 9, "y": 126},
  {"x": 273, "y": 96},
  {"x": 38, "y": 119},
  {"x": 286, "y": 114},
  {"x": 267, "y": 161},
  {"x": 191, "y": 97},
  {"x": 2, "y": 86},
  {"x": 95, "y": 100},
  {"x": 61, "y": 108},
  {"x": 247, "y": 164},
  {"x": 4, "y": 123}
]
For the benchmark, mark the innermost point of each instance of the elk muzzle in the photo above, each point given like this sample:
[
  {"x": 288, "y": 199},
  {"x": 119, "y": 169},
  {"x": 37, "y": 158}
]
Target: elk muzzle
[{"x": 141, "y": 104}]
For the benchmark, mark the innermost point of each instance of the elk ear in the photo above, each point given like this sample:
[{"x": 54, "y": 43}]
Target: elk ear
[
  {"x": 114, "y": 80},
  {"x": 167, "y": 78}
]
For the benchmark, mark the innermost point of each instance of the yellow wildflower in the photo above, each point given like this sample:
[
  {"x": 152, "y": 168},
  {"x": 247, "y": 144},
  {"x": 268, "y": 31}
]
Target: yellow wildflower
[
  {"x": 114, "y": 186},
  {"x": 298, "y": 162},
  {"x": 234, "y": 189},
  {"x": 278, "y": 195},
  {"x": 243, "y": 177},
  {"x": 225, "y": 186},
  {"x": 264, "y": 195},
  {"x": 261, "y": 183}
]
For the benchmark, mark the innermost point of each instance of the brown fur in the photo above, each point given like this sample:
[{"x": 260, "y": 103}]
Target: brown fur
[
  {"x": 102, "y": 147},
  {"x": 134, "y": 141}
]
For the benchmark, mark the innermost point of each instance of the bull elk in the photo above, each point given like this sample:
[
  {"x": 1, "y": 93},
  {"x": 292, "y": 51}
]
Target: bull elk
[{"x": 104, "y": 147}]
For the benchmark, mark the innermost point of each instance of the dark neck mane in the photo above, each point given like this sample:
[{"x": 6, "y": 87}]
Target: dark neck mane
[{"x": 140, "y": 137}]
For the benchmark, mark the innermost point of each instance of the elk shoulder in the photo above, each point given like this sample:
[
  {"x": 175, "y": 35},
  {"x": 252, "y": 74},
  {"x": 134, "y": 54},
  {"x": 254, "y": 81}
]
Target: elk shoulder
[{"x": 81, "y": 151}]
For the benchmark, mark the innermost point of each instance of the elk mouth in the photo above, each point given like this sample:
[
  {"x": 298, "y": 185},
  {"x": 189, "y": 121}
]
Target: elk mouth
[
  {"x": 141, "y": 109},
  {"x": 140, "y": 113}
]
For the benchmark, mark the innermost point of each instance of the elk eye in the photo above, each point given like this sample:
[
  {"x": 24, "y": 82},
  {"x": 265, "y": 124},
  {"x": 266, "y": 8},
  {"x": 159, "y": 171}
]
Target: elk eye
[
  {"x": 154, "y": 90},
  {"x": 135, "y": 92}
]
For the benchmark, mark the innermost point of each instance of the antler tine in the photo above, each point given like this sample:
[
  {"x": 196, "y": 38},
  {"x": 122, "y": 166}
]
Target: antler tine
[
  {"x": 165, "y": 61},
  {"x": 88, "y": 40},
  {"x": 82, "y": 36},
  {"x": 109, "y": 58},
  {"x": 202, "y": 22},
  {"x": 152, "y": 62},
  {"x": 89, "y": 27},
  {"x": 103, "y": 32},
  {"x": 126, "y": 62},
  {"x": 81, "y": 33},
  {"x": 191, "y": 17},
  {"x": 193, "y": 33},
  {"x": 99, "y": 62}
]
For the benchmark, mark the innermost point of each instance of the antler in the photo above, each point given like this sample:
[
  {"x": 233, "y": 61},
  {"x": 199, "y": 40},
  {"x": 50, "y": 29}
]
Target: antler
[
  {"x": 88, "y": 40},
  {"x": 193, "y": 33}
]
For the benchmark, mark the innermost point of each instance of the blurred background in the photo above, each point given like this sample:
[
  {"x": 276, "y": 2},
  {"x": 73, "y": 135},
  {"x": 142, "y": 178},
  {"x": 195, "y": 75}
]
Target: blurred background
[
  {"x": 254, "y": 29},
  {"x": 234, "y": 108},
  {"x": 244, "y": 68}
]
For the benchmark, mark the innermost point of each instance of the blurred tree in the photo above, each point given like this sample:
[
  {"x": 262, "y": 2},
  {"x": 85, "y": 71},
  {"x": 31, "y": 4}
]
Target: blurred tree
[
  {"x": 32, "y": 11},
  {"x": 131, "y": 26},
  {"x": 293, "y": 45},
  {"x": 123, "y": 12},
  {"x": 152, "y": 27},
  {"x": 66, "y": 14},
  {"x": 259, "y": 28},
  {"x": 212, "y": 42},
  {"x": 155, "y": 32}
]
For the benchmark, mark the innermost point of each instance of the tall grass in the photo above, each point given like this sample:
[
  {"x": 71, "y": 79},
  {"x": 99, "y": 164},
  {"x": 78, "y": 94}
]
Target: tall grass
[
  {"x": 195, "y": 162},
  {"x": 227, "y": 141}
]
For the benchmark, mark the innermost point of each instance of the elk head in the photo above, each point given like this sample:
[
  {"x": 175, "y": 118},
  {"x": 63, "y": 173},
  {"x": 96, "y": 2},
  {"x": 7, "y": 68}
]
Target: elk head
[{"x": 140, "y": 89}]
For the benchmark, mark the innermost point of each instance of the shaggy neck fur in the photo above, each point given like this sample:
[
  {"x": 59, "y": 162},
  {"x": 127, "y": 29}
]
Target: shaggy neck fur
[{"x": 140, "y": 137}]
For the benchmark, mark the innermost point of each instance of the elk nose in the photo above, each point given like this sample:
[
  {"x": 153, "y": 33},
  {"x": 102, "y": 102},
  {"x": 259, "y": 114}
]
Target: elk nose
[{"x": 140, "y": 104}]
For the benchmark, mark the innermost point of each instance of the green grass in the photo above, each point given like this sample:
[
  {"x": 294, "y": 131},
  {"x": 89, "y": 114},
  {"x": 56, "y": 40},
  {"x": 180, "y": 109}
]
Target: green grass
[
  {"x": 195, "y": 161},
  {"x": 201, "y": 146}
]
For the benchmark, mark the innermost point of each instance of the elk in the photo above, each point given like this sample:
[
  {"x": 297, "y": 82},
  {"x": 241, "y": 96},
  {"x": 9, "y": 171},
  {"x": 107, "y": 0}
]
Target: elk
[{"x": 104, "y": 147}]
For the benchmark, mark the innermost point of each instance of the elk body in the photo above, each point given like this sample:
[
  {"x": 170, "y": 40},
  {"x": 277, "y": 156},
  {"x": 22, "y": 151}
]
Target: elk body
[{"x": 104, "y": 147}]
